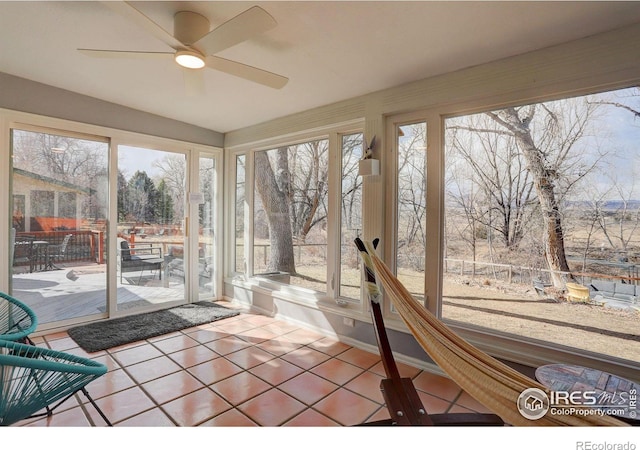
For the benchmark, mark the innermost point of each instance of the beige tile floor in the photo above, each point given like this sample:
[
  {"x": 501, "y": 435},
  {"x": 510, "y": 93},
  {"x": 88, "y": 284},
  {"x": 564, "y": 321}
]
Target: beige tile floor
[{"x": 244, "y": 371}]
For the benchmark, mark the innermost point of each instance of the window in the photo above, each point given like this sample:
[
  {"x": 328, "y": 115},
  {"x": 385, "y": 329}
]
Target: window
[
  {"x": 282, "y": 229},
  {"x": 290, "y": 214},
  {"x": 411, "y": 206},
  {"x": 18, "y": 212},
  {"x": 240, "y": 214},
  {"x": 67, "y": 205},
  {"x": 42, "y": 203},
  {"x": 207, "y": 225},
  {"x": 351, "y": 216},
  {"x": 537, "y": 197}
]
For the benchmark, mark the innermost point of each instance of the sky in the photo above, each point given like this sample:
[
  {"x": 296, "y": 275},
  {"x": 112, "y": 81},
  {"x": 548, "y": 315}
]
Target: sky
[{"x": 132, "y": 159}]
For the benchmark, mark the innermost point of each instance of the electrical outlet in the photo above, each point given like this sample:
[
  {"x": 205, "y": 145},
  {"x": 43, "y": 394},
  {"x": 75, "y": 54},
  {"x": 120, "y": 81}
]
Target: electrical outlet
[{"x": 348, "y": 321}]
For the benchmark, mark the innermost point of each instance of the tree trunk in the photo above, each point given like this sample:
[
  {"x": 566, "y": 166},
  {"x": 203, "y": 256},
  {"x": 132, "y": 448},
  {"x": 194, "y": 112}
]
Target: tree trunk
[
  {"x": 276, "y": 208},
  {"x": 543, "y": 179},
  {"x": 554, "y": 242}
]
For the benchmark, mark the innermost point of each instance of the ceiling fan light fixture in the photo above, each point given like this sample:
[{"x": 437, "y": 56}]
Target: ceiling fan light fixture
[{"x": 189, "y": 59}]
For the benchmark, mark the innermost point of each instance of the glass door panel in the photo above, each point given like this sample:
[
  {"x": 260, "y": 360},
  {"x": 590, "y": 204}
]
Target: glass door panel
[
  {"x": 240, "y": 216},
  {"x": 207, "y": 227},
  {"x": 151, "y": 264},
  {"x": 59, "y": 202}
]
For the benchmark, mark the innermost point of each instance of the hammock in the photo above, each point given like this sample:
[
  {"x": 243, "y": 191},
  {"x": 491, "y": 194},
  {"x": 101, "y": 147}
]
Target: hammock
[{"x": 492, "y": 383}]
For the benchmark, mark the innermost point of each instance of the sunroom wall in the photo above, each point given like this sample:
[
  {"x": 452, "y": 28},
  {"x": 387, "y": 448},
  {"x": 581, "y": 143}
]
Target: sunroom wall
[
  {"x": 36, "y": 106},
  {"x": 19, "y": 94},
  {"x": 592, "y": 64}
]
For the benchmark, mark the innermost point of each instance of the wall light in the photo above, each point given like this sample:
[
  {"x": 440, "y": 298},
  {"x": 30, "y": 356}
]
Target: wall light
[{"x": 368, "y": 165}]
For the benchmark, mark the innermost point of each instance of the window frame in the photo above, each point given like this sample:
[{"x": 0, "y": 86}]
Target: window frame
[
  {"x": 508, "y": 347},
  {"x": 329, "y": 298}
]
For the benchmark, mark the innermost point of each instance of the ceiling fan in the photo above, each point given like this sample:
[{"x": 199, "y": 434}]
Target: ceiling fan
[{"x": 195, "y": 45}]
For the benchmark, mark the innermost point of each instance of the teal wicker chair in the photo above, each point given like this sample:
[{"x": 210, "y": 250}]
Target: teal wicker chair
[
  {"x": 34, "y": 381},
  {"x": 17, "y": 320}
]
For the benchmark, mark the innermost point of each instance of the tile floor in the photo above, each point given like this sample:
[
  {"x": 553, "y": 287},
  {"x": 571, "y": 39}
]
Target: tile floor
[{"x": 246, "y": 371}]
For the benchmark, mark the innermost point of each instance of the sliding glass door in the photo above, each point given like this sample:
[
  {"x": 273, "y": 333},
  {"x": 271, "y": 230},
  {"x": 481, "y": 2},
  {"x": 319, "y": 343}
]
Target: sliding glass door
[
  {"x": 59, "y": 198},
  {"x": 151, "y": 235},
  {"x": 101, "y": 229},
  {"x": 207, "y": 225}
]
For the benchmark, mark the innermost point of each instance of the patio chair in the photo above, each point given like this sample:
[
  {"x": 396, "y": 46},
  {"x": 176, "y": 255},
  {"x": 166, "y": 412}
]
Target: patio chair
[
  {"x": 57, "y": 252},
  {"x": 17, "y": 320},
  {"x": 490, "y": 382},
  {"x": 22, "y": 250},
  {"x": 36, "y": 380},
  {"x": 139, "y": 258}
]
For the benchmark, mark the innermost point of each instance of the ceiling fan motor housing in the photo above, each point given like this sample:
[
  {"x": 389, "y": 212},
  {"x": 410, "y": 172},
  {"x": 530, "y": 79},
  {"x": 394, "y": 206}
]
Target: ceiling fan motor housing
[{"x": 189, "y": 27}]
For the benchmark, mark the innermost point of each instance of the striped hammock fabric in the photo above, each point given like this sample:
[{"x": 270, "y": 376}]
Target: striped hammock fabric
[{"x": 492, "y": 383}]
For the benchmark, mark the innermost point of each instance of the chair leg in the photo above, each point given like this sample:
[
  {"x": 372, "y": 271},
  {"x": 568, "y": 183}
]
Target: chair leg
[
  {"x": 50, "y": 409},
  {"x": 27, "y": 340},
  {"x": 95, "y": 405}
]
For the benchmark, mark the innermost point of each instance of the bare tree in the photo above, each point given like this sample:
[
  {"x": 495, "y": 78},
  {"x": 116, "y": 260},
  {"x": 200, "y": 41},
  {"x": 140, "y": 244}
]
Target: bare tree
[
  {"x": 504, "y": 197},
  {"x": 64, "y": 158},
  {"x": 173, "y": 171},
  {"x": 617, "y": 220},
  {"x": 412, "y": 184},
  {"x": 540, "y": 150},
  {"x": 274, "y": 194},
  {"x": 81, "y": 162},
  {"x": 465, "y": 211},
  {"x": 351, "y": 183},
  {"x": 307, "y": 187}
]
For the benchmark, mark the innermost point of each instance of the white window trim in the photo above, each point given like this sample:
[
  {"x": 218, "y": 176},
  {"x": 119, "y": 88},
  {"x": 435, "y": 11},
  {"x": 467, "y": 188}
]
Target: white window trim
[
  {"x": 513, "y": 348},
  {"x": 325, "y": 300}
]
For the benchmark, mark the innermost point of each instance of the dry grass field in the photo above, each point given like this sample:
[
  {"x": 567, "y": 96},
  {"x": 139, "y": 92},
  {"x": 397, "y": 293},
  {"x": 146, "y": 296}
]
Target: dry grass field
[
  {"x": 520, "y": 311},
  {"x": 517, "y": 310}
]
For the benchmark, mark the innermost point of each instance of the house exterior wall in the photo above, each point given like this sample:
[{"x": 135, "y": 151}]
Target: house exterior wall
[{"x": 24, "y": 186}]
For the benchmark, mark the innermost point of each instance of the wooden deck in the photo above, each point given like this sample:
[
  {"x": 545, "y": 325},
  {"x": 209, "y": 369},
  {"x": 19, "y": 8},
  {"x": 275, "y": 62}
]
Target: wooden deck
[{"x": 73, "y": 292}]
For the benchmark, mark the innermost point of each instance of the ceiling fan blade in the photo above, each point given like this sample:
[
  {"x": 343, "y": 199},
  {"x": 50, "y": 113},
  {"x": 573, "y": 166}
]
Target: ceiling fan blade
[
  {"x": 247, "y": 72},
  {"x": 193, "y": 82},
  {"x": 124, "y": 54},
  {"x": 128, "y": 11},
  {"x": 250, "y": 23}
]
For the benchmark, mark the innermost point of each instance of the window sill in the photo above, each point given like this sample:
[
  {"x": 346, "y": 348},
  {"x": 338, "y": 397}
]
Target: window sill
[
  {"x": 313, "y": 299},
  {"x": 301, "y": 296},
  {"x": 535, "y": 353}
]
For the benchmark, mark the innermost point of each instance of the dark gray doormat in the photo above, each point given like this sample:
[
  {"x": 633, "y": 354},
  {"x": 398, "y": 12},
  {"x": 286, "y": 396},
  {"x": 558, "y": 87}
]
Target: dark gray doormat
[{"x": 123, "y": 330}]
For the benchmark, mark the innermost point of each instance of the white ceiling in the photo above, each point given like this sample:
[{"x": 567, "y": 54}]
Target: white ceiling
[{"x": 329, "y": 50}]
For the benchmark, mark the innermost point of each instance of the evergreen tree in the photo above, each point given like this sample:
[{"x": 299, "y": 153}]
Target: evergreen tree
[
  {"x": 164, "y": 204},
  {"x": 142, "y": 198}
]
